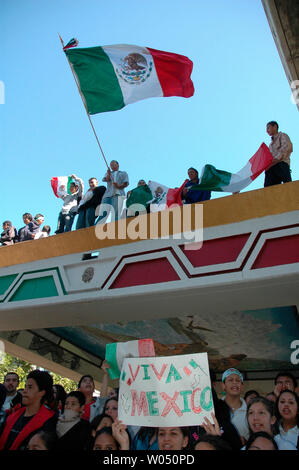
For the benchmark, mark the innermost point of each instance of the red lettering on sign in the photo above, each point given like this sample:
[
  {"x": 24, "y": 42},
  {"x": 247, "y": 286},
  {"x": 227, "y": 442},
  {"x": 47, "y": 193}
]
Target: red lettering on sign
[
  {"x": 170, "y": 404},
  {"x": 159, "y": 375}
]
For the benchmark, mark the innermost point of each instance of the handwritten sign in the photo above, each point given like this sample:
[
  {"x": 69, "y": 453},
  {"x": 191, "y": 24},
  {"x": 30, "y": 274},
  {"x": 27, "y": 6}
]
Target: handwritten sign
[{"x": 165, "y": 391}]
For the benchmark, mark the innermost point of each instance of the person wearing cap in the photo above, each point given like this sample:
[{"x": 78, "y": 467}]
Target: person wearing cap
[
  {"x": 233, "y": 384},
  {"x": 34, "y": 415}
]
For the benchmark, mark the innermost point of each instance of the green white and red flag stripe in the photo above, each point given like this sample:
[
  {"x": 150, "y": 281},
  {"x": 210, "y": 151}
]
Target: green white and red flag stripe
[
  {"x": 116, "y": 352},
  {"x": 111, "y": 77},
  {"x": 61, "y": 185},
  {"x": 218, "y": 180}
]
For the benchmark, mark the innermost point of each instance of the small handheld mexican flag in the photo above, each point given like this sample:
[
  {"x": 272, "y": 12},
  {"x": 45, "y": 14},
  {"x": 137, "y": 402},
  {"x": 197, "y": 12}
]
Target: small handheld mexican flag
[
  {"x": 61, "y": 185},
  {"x": 116, "y": 352},
  {"x": 111, "y": 77},
  {"x": 140, "y": 196},
  {"x": 164, "y": 197}
]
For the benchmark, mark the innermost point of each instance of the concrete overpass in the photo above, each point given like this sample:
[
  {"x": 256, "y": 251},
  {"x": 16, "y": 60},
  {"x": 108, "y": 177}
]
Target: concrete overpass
[
  {"x": 62, "y": 299},
  {"x": 59, "y": 310}
]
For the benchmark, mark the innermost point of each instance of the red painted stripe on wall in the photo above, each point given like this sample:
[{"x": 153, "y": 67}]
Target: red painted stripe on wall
[
  {"x": 278, "y": 251},
  {"x": 145, "y": 272},
  {"x": 217, "y": 251}
]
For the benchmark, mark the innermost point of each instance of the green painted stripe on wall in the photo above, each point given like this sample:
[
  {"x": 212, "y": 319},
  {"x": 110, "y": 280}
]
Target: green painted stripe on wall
[
  {"x": 35, "y": 289},
  {"x": 5, "y": 282}
]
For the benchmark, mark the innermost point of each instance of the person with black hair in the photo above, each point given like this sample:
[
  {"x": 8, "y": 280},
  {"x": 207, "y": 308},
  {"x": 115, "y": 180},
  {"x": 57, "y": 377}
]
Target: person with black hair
[
  {"x": 284, "y": 380},
  {"x": 287, "y": 412},
  {"x": 211, "y": 442},
  {"x": 261, "y": 441},
  {"x": 112, "y": 438},
  {"x": 100, "y": 421},
  {"x": 42, "y": 440},
  {"x": 189, "y": 196},
  {"x": 271, "y": 396},
  {"x": 173, "y": 438},
  {"x": 13, "y": 396},
  {"x": 250, "y": 394},
  {"x": 9, "y": 236},
  {"x": 22, "y": 232},
  {"x": 93, "y": 405},
  {"x": 261, "y": 417},
  {"x": 33, "y": 415},
  {"x": 72, "y": 431},
  {"x": 281, "y": 148},
  {"x": 34, "y": 227},
  {"x": 59, "y": 395},
  {"x": 87, "y": 208}
]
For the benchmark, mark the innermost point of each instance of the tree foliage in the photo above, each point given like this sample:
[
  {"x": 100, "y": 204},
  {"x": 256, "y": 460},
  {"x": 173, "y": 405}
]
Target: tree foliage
[{"x": 10, "y": 363}]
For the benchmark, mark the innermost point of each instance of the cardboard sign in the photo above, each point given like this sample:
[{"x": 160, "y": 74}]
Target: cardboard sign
[{"x": 165, "y": 391}]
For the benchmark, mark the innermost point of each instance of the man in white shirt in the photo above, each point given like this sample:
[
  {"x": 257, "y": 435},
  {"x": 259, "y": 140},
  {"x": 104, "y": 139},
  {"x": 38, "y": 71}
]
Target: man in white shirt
[
  {"x": 233, "y": 384},
  {"x": 70, "y": 202},
  {"x": 114, "y": 195}
]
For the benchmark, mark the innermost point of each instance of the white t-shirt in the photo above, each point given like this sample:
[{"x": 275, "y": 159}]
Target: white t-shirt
[
  {"x": 291, "y": 435},
  {"x": 7, "y": 403},
  {"x": 239, "y": 419}
]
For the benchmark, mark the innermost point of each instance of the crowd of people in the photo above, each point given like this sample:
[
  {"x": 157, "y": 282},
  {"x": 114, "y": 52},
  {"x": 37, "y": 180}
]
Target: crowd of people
[
  {"x": 111, "y": 198},
  {"x": 42, "y": 416}
]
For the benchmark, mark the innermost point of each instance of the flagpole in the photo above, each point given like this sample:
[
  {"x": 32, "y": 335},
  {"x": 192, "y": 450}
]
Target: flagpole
[{"x": 84, "y": 103}]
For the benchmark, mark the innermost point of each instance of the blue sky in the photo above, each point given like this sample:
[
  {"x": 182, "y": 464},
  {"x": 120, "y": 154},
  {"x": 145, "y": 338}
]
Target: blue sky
[{"x": 239, "y": 84}]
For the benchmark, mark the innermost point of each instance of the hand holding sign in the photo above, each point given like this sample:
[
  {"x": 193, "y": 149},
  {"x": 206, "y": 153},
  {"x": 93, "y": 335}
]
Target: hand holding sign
[
  {"x": 120, "y": 434},
  {"x": 213, "y": 429}
]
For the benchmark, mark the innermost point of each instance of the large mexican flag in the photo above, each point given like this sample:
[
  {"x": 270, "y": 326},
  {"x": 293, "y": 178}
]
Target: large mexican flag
[
  {"x": 213, "y": 179},
  {"x": 110, "y": 77}
]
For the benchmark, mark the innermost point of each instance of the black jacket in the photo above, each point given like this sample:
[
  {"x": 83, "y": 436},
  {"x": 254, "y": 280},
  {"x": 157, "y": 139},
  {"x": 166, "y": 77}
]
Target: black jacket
[
  {"x": 77, "y": 438},
  {"x": 95, "y": 200}
]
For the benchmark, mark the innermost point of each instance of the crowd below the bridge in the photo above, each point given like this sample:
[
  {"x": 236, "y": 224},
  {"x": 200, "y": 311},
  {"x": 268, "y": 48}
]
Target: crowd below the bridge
[
  {"x": 99, "y": 201},
  {"x": 42, "y": 416}
]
